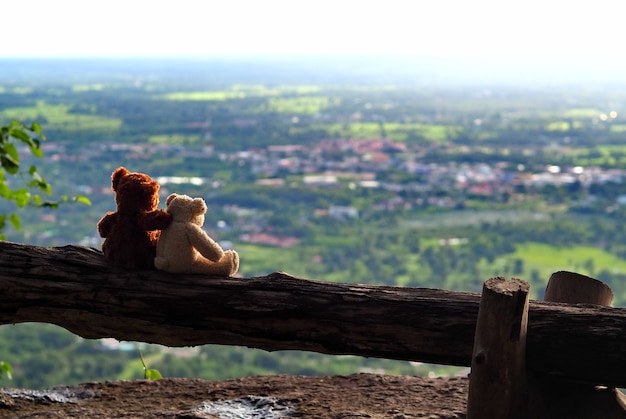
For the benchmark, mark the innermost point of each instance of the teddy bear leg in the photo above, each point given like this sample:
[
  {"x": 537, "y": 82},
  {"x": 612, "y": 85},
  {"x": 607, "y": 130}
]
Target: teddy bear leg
[
  {"x": 234, "y": 261},
  {"x": 226, "y": 266}
]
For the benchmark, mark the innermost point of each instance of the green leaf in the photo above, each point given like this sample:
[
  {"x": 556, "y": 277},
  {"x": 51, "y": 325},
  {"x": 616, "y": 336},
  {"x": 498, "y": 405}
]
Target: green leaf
[
  {"x": 5, "y": 191},
  {"x": 15, "y": 221},
  {"x": 38, "y": 181},
  {"x": 151, "y": 374},
  {"x": 6, "y": 369},
  {"x": 10, "y": 152},
  {"x": 36, "y": 151},
  {"x": 36, "y": 128},
  {"x": 82, "y": 200},
  {"x": 9, "y": 164},
  {"x": 21, "y": 135},
  {"x": 21, "y": 197},
  {"x": 41, "y": 184}
]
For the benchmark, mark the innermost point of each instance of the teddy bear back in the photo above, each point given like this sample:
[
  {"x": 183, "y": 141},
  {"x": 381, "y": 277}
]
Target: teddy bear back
[{"x": 130, "y": 247}]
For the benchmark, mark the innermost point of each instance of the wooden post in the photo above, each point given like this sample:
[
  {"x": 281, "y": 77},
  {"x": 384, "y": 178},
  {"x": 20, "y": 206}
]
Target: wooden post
[
  {"x": 501, "y": 386},
  {"x": 565, "y": 399},
  {"x": 498, "y": 374},
  {"x": 573, "y": 288}
]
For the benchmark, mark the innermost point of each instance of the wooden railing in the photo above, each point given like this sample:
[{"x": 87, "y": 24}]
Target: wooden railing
[{"x": 73, "y": 287}]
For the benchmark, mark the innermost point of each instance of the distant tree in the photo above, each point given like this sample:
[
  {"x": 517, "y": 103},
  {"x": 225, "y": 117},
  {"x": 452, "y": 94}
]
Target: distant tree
[
  {"x": 30, "y": 184},
  {"x": 589, "y": 265}
]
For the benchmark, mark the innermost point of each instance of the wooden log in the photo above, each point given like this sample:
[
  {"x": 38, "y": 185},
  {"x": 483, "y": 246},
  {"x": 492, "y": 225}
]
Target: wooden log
[
  {"x": 574, "y": 288},
  {"x": 560, "y": 399},
  {"x": 498, "y": 378},
  {"x": 74, "y": 288}
]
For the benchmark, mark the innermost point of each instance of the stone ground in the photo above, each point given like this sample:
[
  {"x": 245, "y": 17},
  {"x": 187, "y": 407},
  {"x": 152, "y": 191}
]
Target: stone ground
[{"x": 261, "y": 397}]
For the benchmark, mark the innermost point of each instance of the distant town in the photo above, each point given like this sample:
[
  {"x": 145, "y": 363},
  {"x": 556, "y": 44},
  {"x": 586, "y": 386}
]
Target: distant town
[{"x": 363, "y": 163}]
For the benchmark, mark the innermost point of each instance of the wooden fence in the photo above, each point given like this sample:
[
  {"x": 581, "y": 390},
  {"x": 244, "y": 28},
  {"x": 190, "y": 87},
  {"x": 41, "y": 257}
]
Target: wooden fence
[{"x": 538, "y": 345}]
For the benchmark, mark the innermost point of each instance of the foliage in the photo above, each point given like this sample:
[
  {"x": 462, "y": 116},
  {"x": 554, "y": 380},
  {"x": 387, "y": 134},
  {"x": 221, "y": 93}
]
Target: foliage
[
  {"x": 6, "y": 370},
  {"x": 43, "y": 355},
  {"x": 11, "y": 134},
  {"x": 31, "y": 136},
  {"x": 149, "y": 373}
]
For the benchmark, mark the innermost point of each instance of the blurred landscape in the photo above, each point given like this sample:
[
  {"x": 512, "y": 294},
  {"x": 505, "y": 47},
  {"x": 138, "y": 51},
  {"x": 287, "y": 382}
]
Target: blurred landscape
[{"x": 416, "y": 173}]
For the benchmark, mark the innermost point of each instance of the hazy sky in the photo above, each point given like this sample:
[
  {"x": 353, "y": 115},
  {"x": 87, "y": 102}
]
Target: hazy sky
[
  {"x": 184, "y": 27},
  {"x": 518, "y": 41}
]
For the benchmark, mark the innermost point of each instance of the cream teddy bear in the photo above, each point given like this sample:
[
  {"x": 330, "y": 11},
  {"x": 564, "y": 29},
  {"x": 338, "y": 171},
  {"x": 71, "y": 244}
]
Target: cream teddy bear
[{"x": 184, "y": 247}]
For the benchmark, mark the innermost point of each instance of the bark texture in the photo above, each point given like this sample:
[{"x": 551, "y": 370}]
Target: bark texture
[
  {"x": 498, "y": 376},
  {"x": 73, "y": 287}
]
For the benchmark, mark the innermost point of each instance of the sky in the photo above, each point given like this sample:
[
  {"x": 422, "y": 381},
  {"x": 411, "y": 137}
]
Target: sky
[
  {"x": 61, "y": 28},
  {"x": 527, "y": 40}
]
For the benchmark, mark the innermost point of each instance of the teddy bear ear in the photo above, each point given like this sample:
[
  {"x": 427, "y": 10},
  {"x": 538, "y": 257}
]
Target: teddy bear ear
[
  {"x": 199, "y": 205},
  {"x": 170, "y": 198},
  {"x": 117, "y": 175}
]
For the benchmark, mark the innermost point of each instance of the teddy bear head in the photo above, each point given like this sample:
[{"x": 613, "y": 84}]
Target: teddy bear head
[
  {"x": 134, "y": 192},
  {"x": 186, "y": 209}
]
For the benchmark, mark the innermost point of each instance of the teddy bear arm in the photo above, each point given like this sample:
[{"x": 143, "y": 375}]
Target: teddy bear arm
[
  {"x": 204, "y": 244},
  {"x": 156, "y": 220},
  {"x": 105, "y": 224}
]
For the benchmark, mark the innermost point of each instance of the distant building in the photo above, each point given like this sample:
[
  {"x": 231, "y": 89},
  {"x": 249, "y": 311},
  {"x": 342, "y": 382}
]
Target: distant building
[
  {"x": 275, "y": 182},
  {"x": 342, "y": 212},
  {"x": 269, "y": 240},
  {"x": 319, "y": 180}
]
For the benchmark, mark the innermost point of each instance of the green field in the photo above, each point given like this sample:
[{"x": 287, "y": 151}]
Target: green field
[
  {"x": 586, "y": 260},
  {"x": 59, "y": 117},
  {"x": 582, "y": 113},
  {"x": 267, "y": 259},
  {"x": 541, "y": 260},
  {"x": 301, "y": 105},
  {"x": 241, "y": 91},
  {"x": 394, "y": 131}
]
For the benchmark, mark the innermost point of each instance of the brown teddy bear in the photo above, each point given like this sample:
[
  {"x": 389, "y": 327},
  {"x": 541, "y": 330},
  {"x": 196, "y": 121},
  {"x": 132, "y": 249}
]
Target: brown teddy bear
[
  {"x": 184, "y": 247},
  {"x": 131, "y": 233}
]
